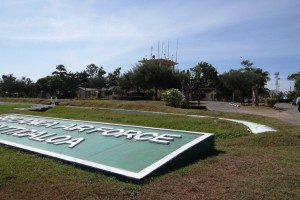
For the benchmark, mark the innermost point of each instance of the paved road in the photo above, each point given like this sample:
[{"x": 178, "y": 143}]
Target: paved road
[{"x": 285, "y": 112}]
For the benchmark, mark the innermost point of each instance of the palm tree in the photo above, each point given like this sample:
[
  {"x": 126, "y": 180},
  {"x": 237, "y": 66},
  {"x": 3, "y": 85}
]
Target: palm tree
[{"x": 295, "y": 77}]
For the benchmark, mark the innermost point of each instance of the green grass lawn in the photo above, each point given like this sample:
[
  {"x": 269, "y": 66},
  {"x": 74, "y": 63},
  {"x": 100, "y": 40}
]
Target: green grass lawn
[{"x": 246, "y": 166}]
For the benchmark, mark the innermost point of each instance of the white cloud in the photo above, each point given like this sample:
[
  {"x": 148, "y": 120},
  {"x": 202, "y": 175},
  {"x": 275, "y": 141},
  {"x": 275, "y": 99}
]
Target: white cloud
[{"x": 80, "y": 32}]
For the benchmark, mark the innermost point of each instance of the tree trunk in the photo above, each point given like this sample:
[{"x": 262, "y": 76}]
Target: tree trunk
[
  {"x": 156, "y": 89},
  {"x": 199, "y": 97},
  {"x": 255, "y": 99}
]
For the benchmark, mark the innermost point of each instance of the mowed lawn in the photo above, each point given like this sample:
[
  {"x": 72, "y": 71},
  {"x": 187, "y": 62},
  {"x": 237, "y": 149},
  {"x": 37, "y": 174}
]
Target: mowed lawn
[{"x": 244, "y": 166}]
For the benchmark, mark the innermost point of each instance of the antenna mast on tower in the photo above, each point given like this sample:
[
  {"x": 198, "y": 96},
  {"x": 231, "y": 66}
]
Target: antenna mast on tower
[
  {"x": 158, "y": 49},
  {"x": 162, "y": 49},
  {"x": 176, "y": 50},
  {"x": 168, "y": 50}
]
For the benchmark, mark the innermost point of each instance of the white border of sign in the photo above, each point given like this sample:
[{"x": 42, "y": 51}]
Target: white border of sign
[{"x": 126, "y": 173}]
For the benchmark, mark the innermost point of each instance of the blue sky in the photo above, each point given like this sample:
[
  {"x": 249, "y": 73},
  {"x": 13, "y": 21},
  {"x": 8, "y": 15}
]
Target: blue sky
[{"x": 37, "y": 35}]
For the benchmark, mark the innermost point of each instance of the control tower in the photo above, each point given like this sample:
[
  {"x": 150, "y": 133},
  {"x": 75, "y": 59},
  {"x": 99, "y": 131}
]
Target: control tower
[
  {"x": 162, "y": 57},
  {"x": 160, "y": 61}
]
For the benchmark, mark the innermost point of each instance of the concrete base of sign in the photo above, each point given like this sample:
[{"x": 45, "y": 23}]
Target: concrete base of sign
[{"x": 191, "y": 155}]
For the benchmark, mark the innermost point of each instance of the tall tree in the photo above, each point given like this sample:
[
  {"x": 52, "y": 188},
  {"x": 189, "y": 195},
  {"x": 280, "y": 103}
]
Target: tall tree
[
  {"x": 92, "y": 70},
  {"x": 26, "y": 87},
  {"x": 247, "y": 81},
  {"x": 54, "y": 85},
  {"x": 9, "y": 84},
  {"x": 113, "y": 77},
  {"x": 295, "y": 77},
  {"x": 83, "y": 78},
  {"x": 72, "y": 83},
  {"x": 209, "y": 74},
  {"x": 196, "y": 82},
  {"x": 153, "y": 76},
  {"x": 203, "y": 75},
  {"x": 96, "y": 76},
  {"x": 57, "y": 86},
  {"x": 257, "y": 77},
  {"x": 101, "y": 72},
  {"x": 247, "y": 64},
  {"x": 42, "y": 84},
  {"x": 126, "y": 81},
  {"x": 149, "y": 76},
  {"x": 23, "y": 87},
  {"x": 60, "y": 71},
  {"x": 237, "y": 83}
]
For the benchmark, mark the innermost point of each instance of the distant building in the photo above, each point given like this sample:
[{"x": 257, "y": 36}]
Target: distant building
[
  {"x": 86, "y": 93},
  {"x": 210, "y": 94},
  {"x": 207, "y": 94},
  {"x": 95, "y": 93}
]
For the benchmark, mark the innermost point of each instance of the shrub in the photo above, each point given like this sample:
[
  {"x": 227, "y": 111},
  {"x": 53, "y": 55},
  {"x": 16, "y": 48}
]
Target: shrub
[
  {"x": 270, "y": 102},
  {"x": 173, "y": 97}
]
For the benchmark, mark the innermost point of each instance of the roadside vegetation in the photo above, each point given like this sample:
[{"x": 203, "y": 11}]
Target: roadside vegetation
[
  {"x": 146, "y": 81},
  {"x": 244, "y": 166}
]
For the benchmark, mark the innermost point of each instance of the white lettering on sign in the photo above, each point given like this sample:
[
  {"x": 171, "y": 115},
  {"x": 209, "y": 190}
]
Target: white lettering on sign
[
  {"x": 101, "y": 129},
  {"x": 41, "y": 136},
  {"x": 142, "y": 137},
  {"x": 164, "y": 138},
  {"x": 52, "y": 138},
  {"x": 113, "y": 132},
  {"x": 65, "y": 127},
  {"x": 129, "y": 134},
  {"x": 73, "y": 142}
]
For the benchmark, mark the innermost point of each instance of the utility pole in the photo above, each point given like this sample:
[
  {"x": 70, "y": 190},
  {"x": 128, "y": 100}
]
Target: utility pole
[{"x": 277, "y": 83}]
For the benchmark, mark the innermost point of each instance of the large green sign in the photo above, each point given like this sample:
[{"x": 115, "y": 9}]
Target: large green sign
[{"x": 131, "y": 151}]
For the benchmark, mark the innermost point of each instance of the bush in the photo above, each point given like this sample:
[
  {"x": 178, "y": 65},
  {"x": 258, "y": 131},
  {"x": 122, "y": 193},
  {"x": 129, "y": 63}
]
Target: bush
[
  {"x": 173, "y": 97},
  {"x": 270, "y": 102}
]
